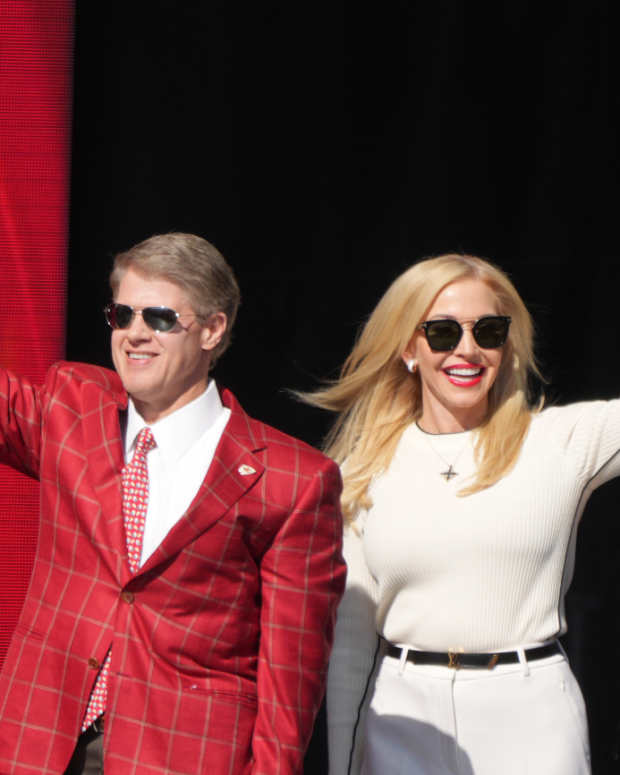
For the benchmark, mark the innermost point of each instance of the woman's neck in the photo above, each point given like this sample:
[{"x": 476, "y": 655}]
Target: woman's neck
[{"x": 433, "y": 420}]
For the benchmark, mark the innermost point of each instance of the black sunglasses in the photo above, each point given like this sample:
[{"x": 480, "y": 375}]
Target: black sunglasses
[
  {"x": 490, "y": 332},
  {"x": 157, "y": 318}
]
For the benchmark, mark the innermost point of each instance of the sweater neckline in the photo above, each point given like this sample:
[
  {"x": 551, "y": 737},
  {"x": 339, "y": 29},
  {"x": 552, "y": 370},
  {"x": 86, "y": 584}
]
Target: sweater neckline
[{"x": 454, "y": 435}]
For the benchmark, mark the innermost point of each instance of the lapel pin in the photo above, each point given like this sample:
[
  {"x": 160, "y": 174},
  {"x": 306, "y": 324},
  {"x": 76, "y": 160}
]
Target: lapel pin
[{"x": 245, "y": 470}]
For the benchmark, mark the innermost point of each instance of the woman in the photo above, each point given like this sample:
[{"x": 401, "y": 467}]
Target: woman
[{"x": 461, "y": 502}]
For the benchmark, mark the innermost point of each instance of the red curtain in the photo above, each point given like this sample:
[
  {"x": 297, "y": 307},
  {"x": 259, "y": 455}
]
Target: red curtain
[{"x": 36, "y": 55}]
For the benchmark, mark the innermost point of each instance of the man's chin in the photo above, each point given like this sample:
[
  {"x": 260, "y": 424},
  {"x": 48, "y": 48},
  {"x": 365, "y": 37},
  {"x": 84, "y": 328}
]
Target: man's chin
[{"x": 138, "y": 391}]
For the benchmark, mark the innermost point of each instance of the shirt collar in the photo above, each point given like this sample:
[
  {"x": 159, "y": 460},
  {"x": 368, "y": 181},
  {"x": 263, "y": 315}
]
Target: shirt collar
[{"x": 177, "y": 432}]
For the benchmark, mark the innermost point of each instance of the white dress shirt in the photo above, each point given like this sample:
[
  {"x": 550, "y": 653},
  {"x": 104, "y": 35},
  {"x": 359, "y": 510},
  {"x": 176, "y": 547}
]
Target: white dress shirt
[{"x": 186, "y": 442}]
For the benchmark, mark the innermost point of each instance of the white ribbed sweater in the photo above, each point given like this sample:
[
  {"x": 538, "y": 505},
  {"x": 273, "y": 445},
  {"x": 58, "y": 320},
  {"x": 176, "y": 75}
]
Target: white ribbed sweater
[{"x": 485, "y": 572}]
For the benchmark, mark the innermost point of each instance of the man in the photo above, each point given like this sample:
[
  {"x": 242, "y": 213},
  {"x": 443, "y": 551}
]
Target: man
[{"x": 180, "y": 613}]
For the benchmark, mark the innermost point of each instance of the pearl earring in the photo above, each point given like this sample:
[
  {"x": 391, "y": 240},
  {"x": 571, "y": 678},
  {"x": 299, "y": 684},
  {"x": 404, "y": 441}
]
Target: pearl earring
[{"x": 412, "y": 365}]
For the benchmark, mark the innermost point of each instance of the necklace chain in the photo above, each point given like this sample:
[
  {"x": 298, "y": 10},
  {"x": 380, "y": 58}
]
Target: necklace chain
[{"x": 450, "y": 473}]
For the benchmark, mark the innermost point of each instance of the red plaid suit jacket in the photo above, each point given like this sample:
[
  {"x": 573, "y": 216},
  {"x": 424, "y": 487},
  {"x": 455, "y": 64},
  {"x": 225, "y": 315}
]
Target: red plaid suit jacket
[{"x": 220, "y": 641}]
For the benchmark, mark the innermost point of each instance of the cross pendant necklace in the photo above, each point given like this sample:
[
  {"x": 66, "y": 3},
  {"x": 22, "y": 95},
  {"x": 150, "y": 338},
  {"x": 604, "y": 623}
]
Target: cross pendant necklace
[{"x": 447, "y": 475}]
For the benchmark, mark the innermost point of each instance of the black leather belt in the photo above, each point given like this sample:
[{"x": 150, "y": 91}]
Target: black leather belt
[{"x": 457, "y": 659}]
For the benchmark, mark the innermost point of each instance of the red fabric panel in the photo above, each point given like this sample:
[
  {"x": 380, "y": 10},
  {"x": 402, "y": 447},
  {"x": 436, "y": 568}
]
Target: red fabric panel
[{"x": 36, "y": 58}]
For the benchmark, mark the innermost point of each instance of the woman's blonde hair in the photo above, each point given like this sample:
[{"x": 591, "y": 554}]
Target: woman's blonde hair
[{"x": 377, "y": 398}]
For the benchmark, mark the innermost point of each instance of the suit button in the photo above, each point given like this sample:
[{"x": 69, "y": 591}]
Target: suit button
[
  {"x": 127, "y": 596},
  {"x": 93, "y": 662}
]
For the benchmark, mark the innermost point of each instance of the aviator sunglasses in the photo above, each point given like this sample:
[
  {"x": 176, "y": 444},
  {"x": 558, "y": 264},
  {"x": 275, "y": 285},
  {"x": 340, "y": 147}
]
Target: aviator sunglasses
[
  {"x": 489, "y": 332},
  {"x": 158, "y": 318}
]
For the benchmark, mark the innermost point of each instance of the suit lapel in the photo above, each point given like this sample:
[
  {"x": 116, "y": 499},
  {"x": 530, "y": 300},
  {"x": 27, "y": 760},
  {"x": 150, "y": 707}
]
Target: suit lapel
[
  {"x": 103, "y": 446},
  {"x": 235, "y": 469}
]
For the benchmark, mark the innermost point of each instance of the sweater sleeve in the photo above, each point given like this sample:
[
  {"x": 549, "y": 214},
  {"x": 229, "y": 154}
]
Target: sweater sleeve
[
  {"x": 352, "y": 660},
  {"x": 589, "y": 431}
]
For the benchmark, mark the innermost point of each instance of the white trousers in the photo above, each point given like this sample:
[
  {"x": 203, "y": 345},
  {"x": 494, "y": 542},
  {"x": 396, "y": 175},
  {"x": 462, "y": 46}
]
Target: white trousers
[{"x": 521, "y": 719}]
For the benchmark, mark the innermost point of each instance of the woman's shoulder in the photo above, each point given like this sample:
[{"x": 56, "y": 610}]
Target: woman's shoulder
[
  {"x": 568, "y": 415},
  {"x": 584, "y": 428}
]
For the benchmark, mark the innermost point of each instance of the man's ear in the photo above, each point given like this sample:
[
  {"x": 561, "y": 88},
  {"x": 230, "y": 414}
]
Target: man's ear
[{"x": 213, "y": 330}]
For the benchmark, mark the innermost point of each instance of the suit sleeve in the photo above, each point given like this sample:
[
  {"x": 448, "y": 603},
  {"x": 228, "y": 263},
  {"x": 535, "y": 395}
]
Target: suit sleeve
[
  {"x": 302, "y": 577},
  {"x": 20, "y": 423}
]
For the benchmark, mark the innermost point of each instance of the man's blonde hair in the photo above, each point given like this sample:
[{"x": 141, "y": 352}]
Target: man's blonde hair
[{"x": 193, "y": 264}]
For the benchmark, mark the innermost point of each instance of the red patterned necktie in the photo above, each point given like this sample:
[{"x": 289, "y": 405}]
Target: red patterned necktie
[
  {"x": 135, "y": 479},
  {"x": 135, "y": 485}
]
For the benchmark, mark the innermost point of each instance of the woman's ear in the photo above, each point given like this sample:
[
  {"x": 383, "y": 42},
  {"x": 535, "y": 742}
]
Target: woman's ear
[
  {"x": 409, "y": 358},
  {"x": 410, "y": 363}
]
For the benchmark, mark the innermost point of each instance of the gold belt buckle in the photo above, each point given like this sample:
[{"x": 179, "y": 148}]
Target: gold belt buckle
[
  {"x": 493, "y": 661},
  {"x": 454, "y": 659}
]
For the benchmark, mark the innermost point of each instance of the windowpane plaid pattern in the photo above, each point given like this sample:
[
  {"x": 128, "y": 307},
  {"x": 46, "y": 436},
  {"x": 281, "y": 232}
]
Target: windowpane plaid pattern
[
  {"x": 219, "y": 656},
  {"x": 135, "y": 480}
]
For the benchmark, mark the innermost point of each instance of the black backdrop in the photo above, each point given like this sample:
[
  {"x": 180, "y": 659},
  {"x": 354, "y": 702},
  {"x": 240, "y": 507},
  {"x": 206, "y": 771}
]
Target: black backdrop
[{"x": 323, "y": 148}]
